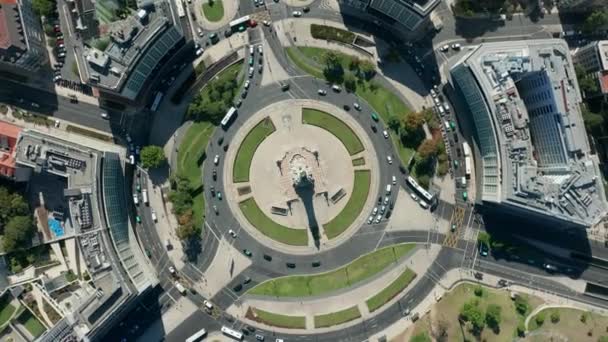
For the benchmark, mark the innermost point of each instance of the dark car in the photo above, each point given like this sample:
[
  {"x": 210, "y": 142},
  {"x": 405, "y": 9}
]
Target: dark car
[
  {"x": 306, "y": 9},
  {"x": 267, "y": 257},
  {"x": 316, "y": 263},
  {"x": 214, "y": 174},
  {"x": 228, "y": 33},
  {"x": 483, "y": 249},
  {"x": 290, "y": 265},
  {"x": 284, "y": 86},
  {"x": 237, "y": 287},
  {"x": 247, "y": 253},
  {"x": 346, "y": 107}
]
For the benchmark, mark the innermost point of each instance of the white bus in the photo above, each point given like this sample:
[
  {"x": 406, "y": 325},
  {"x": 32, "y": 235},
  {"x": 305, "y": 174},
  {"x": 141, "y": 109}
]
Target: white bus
[
  {"x": 198, "y": 336},
  {"x": 156, "y": 103},
  {"x": 240, "y": 22},
  {"x": 232, "y": 333},
  {"x": 467, "y": 166},
  {"x": 466, "y": 149},
  {"x": 180, "y": 8},
  {"x": 144, "y": 194},
  {"x": 228, "y": 117},
  {"x": 420, "y": 190}
]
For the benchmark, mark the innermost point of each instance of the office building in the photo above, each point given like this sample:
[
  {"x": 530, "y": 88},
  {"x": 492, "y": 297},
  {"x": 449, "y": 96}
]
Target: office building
[
  {"x": 533, "y": 157},
  {"x": 8, "y": 142},
  {"x": 408, "y": 13},
  {"x": 22, "y": 50},
  {"x": 593, "y": 59}
]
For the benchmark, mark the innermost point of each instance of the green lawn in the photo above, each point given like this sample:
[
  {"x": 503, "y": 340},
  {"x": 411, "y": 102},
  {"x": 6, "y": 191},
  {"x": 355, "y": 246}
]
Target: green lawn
[
  {"x": 268, "y": 227},
  {"x": 571, "y": 324},
  {"x": 278, "y": 320},
  {"x": 213, "y": 10},
  {"x": 192, "y": 149},
  {"x": 242, "y": 162},
  {"x": 31, "y": 323},
  {"x": 390, "y": 291},
  {"x": 6, "y": 310},
  {"x": 363, "y": 268},
  {"x": 353, "y": 207},
  {"x": 384, "y": 102},
  {"x": 335, "y": 126},
  {"x": 337, "y": 317},
  {"x": 359, "y": 161}
]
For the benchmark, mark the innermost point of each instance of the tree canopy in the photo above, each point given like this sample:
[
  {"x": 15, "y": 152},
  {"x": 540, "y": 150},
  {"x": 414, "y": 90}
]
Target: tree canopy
[
  {"x": 17, "y": 233},
  {"x": 43, "y": 7},
  {"x": 152, "y": 156},
  {"x": 212, "y": 104}
]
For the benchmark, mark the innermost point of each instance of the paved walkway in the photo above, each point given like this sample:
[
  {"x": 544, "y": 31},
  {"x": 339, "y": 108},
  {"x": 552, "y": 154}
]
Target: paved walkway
[
  {"x": 230, "y": 9},
  {"x": 417, "y": 261}
]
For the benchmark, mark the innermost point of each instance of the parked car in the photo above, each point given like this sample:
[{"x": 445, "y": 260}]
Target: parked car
[{"x": 296, "y": 14}]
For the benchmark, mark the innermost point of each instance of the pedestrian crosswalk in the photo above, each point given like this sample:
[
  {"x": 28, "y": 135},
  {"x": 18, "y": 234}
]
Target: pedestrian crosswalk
[{"x": 457, "y": 228}]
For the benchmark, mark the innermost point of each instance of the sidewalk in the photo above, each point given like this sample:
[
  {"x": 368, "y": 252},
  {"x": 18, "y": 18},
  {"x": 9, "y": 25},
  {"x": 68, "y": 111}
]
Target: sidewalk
[{"x": 417, "y": 261}]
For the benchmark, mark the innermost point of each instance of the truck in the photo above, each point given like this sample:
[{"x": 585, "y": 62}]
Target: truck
[
  {"x": 144, "y": 194},
  {"x": 180, "y": 288}
]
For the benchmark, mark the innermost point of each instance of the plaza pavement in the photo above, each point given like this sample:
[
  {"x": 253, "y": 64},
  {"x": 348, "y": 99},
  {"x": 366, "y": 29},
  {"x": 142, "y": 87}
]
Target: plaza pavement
[
  {"x": 232, "y": 196},
  {"x": 274, "y": 71},
  {"x": 409, "y": 215}
]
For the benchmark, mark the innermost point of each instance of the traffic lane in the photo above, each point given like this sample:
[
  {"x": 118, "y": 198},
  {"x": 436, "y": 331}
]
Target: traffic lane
[{"x": 195, "y": 322}]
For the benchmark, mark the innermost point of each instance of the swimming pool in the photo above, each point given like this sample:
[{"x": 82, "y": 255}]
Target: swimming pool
[{"x": 55, "y": 227}]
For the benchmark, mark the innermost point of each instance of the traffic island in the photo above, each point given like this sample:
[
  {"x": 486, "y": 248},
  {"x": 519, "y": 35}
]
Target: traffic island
[
  {"x": 338, "y": 317},
  {"x": 388, "y": 293},
  {"x": 276, "y": 320},
  {"x": 213, "y": 10}
]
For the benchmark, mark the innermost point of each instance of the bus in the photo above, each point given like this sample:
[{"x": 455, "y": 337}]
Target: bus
[
  {"x": 467, "y": 166},
  {"x": 198, "y": 336},
  {"x": 240, "y": 24},
  {"x": 420, "y": 190},
  {"x": 232, "y": 333},
  {"x": 156, "y": 103},
  {"x": 228, "y": 117},
  {"x": 144, "y": 194},
  {"x": 466, "y": 149},
  {"x": 180, "y": 8}
]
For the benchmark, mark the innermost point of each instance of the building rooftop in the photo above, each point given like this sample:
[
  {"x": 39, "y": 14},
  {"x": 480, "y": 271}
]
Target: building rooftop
[
  {"x": 12, "y": 39},
  {"x": 8, "y": 141},
  {"x": 524, "y": 99},
  {"x": 138, "y": 43},
  {"x": 602, "y": 48}
]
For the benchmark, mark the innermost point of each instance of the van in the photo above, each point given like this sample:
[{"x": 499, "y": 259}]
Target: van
[
  {"x": 463, "y": 181},
  {"x": 154, "y": 217},
  {"x": 447, "y": 126},
  {"x": 388, "y": 189}
]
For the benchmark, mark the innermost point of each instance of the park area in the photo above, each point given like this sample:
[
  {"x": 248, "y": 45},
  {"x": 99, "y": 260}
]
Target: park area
[
  {"x": 335, "y": 126},
  {"x": 353, "y": 207},
  {"x": 363, "y": 268},
  {"x": 213, "y": 10},
  {"x": 568, "y": 323},
  {"x": 268, "y": 227},
  {"x": 242, "y": 162},
  {"x": 383, "y": 101}
]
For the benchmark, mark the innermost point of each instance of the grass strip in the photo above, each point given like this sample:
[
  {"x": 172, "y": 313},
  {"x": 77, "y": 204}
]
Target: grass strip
[
  {"x": 338, "y": 317},
  {"x": 268, "y": 227},
  {"x": 389, "y": 292},
  {"x": 359, "y": 161},
  {"x": 363, "y": 268},
  {"x": 89, "y": 133},
  {"x": 6, "y": 310},
  {"x": 244, "y": 156},
  {"x": 353, "y": 207},
  {"x": 277, "y": 320},
  {"x": 331, "y": 33},
  {"x": 31, "y": 323},
  {"x": 335, "y": 126}
]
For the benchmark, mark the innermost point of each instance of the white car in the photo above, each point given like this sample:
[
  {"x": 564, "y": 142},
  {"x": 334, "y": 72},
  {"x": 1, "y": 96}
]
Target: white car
[
  {"x": 154, "y": 217},
  {"x": 260, "y": 50},
  {"x": 394, "y": 180},
  {"x": 456, "y": 46},
  {"x": 378, "y": 218},
  {"x": 296, "y": 13},
  {"x": 444, "y": 48},
  {"x": 247, "y": 83},
  {"x": 385, "y": 134},
  {"x": 199, "y": 51},
  {"x": 370, "y": 220},
  {"x": 135, "y": 199},
  {"x": 104, "y": 115},
  {"x": 423, "y": 204},
  {"x": 414, "y": 197},
  {"x": 216, "y": 160},
  {"x": 200, "y": 32},
  {"x": 266, "y": 22},
  {"x": 433, "y": 93},
  {"x": 336, "y": 88},
  {"x": 172, "y": 270},
  {"x": 382, "y": 209},
  {"x": 375, "y": 211},
  {"x": 232, "y": 233},
  {"x": 389, "y": 159},
  {"x": 57, "y": 78},
  {"x": 386, "y": 200},
  {"x": 321, "y": 92},
  {"x": 357, "y": 106},
  {"x": 251, "y": 70}
]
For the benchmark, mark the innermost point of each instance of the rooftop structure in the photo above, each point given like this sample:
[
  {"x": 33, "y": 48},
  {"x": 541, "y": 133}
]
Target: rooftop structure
[
  {"x": 139, "y": 46},
  {"x": 21, "y": 38},
  {"x": 8, "y": 141},
  {"x": 534, "y": 154},
  {"x": 593, "y": 59},
  {"x": 104, "y": 239},
  {"x": 409, "y": 13}
]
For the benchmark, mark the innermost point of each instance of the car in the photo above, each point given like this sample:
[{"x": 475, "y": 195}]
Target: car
[
  {"x": 375, "y": 211},
  {"x": 137, "y": 219},
  {"x": 391, "y": 205},
  {"x": 104, "y": 115},
  {"x": 148, "y": 253},
  {"x": 237, "y": 287},
  {"x": 386, "y": 200},
  {"x": 267, "y": 257},
  {"x": 216, "y": 159},
  {"x": 389, "y": 160},
  {"x": 370, "y": 219},
  {"x": 357, "y": 106},
  {"x": 200, "y": 32},
  {"x": 266, "y": 22},
  {"x": 214, "y": 174},
  {"x": 138, "y": 187},
  {"x": 247, "y": 280},
  {"x": 296, "y": 14},
  {"x": 251, "y": 70},
  {"x": 550, "y": 268},
  {"x": 453, "y": 227},
  {"x": 219, "y": 195},
  {"x": 483, "y": 249},
  {"x": 346, "y": 107},
  {"x": 232, "y": 233},
  {"x": 136, "y": 199},
  {"x": 259, "y": 337},
  {"x": 336, "y": 88},
  {"x": 238, "y": 103},
  {"x": 228, "y": 33},
  {"x": 394, "y": 180},
  {"x": 247, "y": 83},
  {"x": 284, "y": 86},
  {"x": 382, "y": 209},
  {"x": 213, "y": 38},
  {"x": 465, "y": 195},
  {"x": 290, "y": 265},
  {"x": 374, "y": 129},
  {"x": 388, "y": 213},
  {"x": 217, "y": 212},
  {"x": 260, "y": 68},
  {"x": 379, "y": 199},
  {"x": 199, "y": 52},
  {"x": 247, "y": 253},
  {"x": 316, "y": 264},
  {"x": 455, "y": 163},
  {"x": 154, "y": 217},
  {"x": 456, "y": 46},
  {"x": 306, "y": 9},
  {"x": 433, "y": 93},
  {"x": 375, "y": 117},
  {"x": 423, "y": 204},
  {"x": 137, "y": 150},
  {"x": 322, "y": 92},
  {"x": 172, "y": 270},
  {"x": 444, "y": 48},
  {"x": 251, "y": 50},
  {"x": 57, "y": 28},
  {"x": 244, "y": 94},
  {"x": 414, "y": 197},
  {"x": 260, "y": 49},
  {"x": 378, "y": 218},
  {"x": 57, "y": 78},
  {"x": 251, "y": 61},
  {"x": 385, "y": 134},
  {"x": 502, "y": 283},
  {"x": 59, "y": 41}
]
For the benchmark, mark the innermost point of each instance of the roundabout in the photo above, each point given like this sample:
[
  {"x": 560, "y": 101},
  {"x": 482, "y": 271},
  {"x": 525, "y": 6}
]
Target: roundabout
[{"x": 291, "y": 175}]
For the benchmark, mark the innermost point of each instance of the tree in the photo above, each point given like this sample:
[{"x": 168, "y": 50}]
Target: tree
[
  {"x": 521, "y": 305},
  {"x": 412, "y": 132},
  {"x": 350, "y": 83},
  {"x": 333, "y": 71},
  {"x": 17, "y": 233},
  {"x": 393, "y": 123},
  {"x": 43, "y": 7},
  {"x": 596, "y": 21},
  {"x": 521, "y": 329},
  {"x": 428, "y": 149},
  {"x": 555, "y": 317},
  {"x": 540, "y": 319},
  {"x": 472, "y": 313},
  {"x": 188, "y": 231},
  {"x": 152, "y": 157},
  {"x": 594, "y": 122},
  {"x": 493, "y": 317},
  {"x": 367, "y": 69}
]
